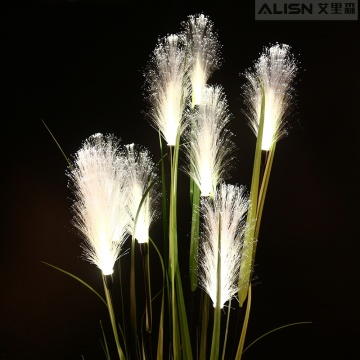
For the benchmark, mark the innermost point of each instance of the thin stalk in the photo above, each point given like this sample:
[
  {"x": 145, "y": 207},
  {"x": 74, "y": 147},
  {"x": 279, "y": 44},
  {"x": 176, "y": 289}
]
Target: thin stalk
[
  {"x": 204, "y": 326},
  {"x": 194, "y": 240},
  {"x": 160, "y": 345},
  {"x": 174, "y": 153},
  {"x": 124, "y": 325},
  {"x": 246, "y": 263},
  {"x": 132, "y": 293},
  {"x": 58, "y": 145},
  {"x": 278, "y": 328},
  {"x": 164, "y": 203},
  {"x": 78, "y": 279},
  {"x": 215, "y": 345},
  {"x": 173, "y": 250},
  {"x": 144, "y": 249},
  {"x": 226, "y": 331},
  {"x": 244, "y": 329},
  {"x": 195, "y": 222},
  {"x": 113, "y": 321},
  {"x": 105, "y": 345},
  {"x": 262, "y": 194},
  {"x": 184, "y": 329}
]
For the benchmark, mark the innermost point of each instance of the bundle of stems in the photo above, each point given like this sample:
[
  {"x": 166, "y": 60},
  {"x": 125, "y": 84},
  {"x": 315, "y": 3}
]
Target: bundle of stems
[{"x": 117, "y": 196}]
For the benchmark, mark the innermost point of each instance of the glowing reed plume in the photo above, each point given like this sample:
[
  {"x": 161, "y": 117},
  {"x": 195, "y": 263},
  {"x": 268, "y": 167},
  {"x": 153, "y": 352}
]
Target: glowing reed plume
[
  {"x": 275, "y": 70},
  {"x": 204, "y": 50},
  {"x": 208, "y": 140},
  {"x": 168, "y": 87},
  {"x": 99, "y": 181},
  {"x": 224, "y": 217},
  {"x": 140, "y": 169}
]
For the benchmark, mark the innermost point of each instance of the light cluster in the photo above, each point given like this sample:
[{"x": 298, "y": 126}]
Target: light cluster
[
  {"x": 223, "y": 232},
  {"x": 274, "y": 71},
  {"x": 108, "y": 183}
]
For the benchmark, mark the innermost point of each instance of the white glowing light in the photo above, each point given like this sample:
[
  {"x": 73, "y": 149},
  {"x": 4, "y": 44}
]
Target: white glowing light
[
  {"x": 168, "y": 87},
  {"x": 209, "y": 144},
  {"x": 275, "y": 69},
  {"x": 204, "y": 53},
  {"x": 227, "y": 210},
  {"x": 140, "y": 169},
  {"x": 99, "y": 182}
]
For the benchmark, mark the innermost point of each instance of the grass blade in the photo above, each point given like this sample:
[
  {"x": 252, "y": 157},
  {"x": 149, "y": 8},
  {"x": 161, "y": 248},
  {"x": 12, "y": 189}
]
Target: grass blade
[
  {"x": 58, "y": 145},
  {"x": 105, "y": 346},
  {"x": 244, "y": 328},
  {"x": 78, "y": 279},
  {"x": 278, "y": 328}
]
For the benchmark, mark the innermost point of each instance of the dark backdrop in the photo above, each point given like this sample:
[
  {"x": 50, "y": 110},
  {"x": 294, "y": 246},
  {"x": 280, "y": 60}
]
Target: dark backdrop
[{"x": 78, "y": 65}]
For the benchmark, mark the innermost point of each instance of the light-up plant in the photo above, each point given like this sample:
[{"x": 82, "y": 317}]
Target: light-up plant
[{"x": 115, "y": 196}]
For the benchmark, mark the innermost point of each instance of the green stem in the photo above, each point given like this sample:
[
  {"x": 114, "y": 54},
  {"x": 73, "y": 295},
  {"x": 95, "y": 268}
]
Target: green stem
[
  {"x": 144, "y": 248},
  {"x": 161, "y": 321},
  {"x": 215, "y": 345},
  {"x": 194, "y": 240},
  {"x": 245, "y": 268},
  {"x": 182, "y": 318},
  {"x": 227, "y": 330},
  {"x": 113, "y": 321},
  {"x": 173, "y": 246},
  {"x": 124, "y": 324},
  {"x": 164, "y": 203},
  {"x": 204, "y": 326},
  {"x": 244, "y": 328},
  {"x": 262, "y": 195},
  {"x": 133, "y": 321}
]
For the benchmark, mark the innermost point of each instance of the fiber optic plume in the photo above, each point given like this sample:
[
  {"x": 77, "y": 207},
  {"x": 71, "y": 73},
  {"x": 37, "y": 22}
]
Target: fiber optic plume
[
  {"x": 223, "y": 217},
  {"x": 140, "y": 169},
  {"x": 275, "y": 71},
  {"x": 99, "y": 182},
  {"x": 208, "y": 141},
  {"x": 168, "y": 87},
  {"x": 204, "y": 52}
]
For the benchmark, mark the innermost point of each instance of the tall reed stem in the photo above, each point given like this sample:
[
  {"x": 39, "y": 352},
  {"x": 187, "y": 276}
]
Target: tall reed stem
[
  {"x": 113, "y": 321},
  {"x": 194, "y": 240},
  {"x": 215, "y": 345},
  {"x": 246, "y": 263}
]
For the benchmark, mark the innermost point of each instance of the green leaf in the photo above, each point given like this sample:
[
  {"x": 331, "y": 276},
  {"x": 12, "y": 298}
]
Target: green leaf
[
  {"x": 78, "y": 279},
  {"x": 105, "y": 345},
  {"x": 276, "y": 329}
]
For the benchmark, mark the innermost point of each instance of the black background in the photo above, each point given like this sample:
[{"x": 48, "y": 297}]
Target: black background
[{"x": 78, "y": 65}]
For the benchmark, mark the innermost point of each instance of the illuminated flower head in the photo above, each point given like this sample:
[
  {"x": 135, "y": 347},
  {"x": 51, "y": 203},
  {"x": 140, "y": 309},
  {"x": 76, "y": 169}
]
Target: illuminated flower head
[
  {"x": 223, "y": 217},
  {"x": 275, "y": 71},
  {"x": 208, "y": 141},
  {"x": 168, "y": 87},
  {"x": 204, "y": 50},
  {"x": 99, "y": 182},
  {"x": 140, "y": 169}
]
